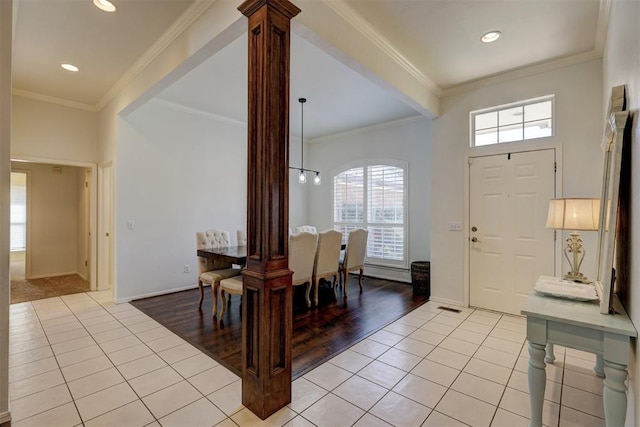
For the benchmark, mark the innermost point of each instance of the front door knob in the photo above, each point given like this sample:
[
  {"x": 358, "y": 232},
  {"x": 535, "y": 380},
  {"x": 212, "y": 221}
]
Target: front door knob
[{"x": 474, "y": 239}]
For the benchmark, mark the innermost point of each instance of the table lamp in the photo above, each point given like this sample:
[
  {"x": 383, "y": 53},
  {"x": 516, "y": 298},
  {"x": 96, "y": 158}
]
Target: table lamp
[{"x": 574, "y": 214}]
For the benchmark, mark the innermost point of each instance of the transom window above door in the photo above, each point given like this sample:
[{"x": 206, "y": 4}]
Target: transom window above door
[
  {"x": 373, "y": 195},
  {"x": 519, "y": 121}
]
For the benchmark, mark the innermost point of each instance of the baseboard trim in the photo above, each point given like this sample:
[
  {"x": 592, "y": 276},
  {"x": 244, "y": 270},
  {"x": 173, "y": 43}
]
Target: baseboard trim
[
  {"x": 43, "y": 276},
  {"x": 369, "y": 273},
  {"x": 154, "y": 294},
  {"x": 399, "y": 275},
  {"x": 5, "y": 417},
  {"x": 447, "y": 301}
]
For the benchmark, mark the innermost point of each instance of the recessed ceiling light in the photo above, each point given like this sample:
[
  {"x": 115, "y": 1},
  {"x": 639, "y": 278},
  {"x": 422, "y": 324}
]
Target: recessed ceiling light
[
  {"x": 69, "y": 67},
  {"x": 105, "y": 5},
  {"x": 491, "y": 36}
]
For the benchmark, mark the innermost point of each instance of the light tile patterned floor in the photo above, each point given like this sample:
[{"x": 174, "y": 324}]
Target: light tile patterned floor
[{"x": 81, "y": 360}]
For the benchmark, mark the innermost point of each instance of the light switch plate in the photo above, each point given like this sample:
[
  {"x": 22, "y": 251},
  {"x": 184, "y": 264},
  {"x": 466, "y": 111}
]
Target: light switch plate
[
  {"x": 131, "y": 225},
  {"x": 455, "y": 226}
]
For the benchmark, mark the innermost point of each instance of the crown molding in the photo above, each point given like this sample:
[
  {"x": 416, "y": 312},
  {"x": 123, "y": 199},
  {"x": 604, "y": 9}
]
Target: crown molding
[
  {"x": 375, "y": 126},
  {"x": 179, "y": 107},
  {"x": 541, "y": 67},
  {"x": 521, "y": 72},
  {"x": 603, "y": 25},
  {"x": 53, "y": 100},
  {"x": 370, "y": 33},
  {"x": 174, "y": 31}
]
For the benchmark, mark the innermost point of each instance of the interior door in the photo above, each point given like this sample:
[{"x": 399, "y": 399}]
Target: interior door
[{"x": 509, "y": 245}]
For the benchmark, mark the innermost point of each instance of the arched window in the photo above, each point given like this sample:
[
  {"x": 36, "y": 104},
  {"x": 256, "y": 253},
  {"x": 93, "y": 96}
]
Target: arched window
[{"x": 373, "y": 195}]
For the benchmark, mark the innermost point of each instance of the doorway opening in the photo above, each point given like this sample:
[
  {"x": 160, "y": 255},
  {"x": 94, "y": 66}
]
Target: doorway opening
[
  {"x": 18, "y": 230},
  {"x": 50, "y": 239}
]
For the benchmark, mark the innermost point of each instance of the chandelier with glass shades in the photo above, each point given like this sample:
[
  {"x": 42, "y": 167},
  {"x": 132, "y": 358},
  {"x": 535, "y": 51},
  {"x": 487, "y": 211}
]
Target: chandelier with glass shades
[{"x": 302, "y": 177}]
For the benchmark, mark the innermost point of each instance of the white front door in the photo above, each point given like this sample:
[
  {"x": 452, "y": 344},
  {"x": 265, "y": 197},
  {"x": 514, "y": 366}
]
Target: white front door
[{"x": 509, "y": 245}]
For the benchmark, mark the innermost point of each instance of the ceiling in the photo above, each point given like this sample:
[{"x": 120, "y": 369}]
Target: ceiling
[
  {"x": 103, "y": 45},
  {"x": 439, "y": 37}
]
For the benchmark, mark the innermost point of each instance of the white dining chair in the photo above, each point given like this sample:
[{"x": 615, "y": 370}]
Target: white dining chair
[
  {"x": 307, "y": 228},
  {"x": 353, "y": 256},
  {"x": 210, "y": 271},
  {"x": 327, "y": 259},
  {"x": 302, "y": 253},
  {"x": 230, "y": 286},
  {"x": 242, "y": 237}
]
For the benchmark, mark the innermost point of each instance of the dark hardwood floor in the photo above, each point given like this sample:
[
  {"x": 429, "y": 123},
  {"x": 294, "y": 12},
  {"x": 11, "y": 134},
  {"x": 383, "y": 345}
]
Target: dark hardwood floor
[{"x": 319, "y": 333}]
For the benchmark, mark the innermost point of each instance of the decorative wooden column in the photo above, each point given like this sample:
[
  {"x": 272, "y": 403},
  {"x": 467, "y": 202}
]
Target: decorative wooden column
[{"x": 266, "y": 298}]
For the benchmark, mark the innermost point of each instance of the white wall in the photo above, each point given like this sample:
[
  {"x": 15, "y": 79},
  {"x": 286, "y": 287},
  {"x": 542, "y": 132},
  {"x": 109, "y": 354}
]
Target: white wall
[
  {"x": 298, "y": 193},
  {"x": 407, "y": 140},
  {"x": 621, "y": 65},
  {"x": 53, "y": 218},
  {"x": 55, "y": 132},
  {"x": 177, "y": 173},
  {"x": 578, "y": 130}
]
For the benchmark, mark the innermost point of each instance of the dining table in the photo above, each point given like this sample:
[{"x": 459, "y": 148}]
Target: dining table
[{"x": 234, "y": 254}]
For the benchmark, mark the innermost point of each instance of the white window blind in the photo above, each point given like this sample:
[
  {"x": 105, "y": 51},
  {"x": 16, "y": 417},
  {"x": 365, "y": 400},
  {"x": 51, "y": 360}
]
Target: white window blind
[
  {"x": 385, "y": 216},
  {"x": 383, "y": 193},
  {"x": 18, "y": 212}
]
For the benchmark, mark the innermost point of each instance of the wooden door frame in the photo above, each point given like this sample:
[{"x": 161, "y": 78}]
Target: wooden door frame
[
  {"x": 105, "y": 218},
  {"x": 495, "y": 150},
  {"x": 89, "y": 190}
]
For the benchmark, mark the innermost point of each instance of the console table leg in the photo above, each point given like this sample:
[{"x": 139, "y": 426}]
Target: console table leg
[
  {"x": 550, "y": 357},
  {"x": 537, "y": 382},
  {"x": 599, "y": 368},
  {"x": 615, "y": 394}
]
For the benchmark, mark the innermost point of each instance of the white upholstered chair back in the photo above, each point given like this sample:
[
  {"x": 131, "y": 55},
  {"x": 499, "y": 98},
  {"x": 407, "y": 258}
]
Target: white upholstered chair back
[
  {"x": 327, "y": 261},
  {"x": 356, "y": 249},
  {"x": 210, "y": 239},
  {"x": 328, "y": 253},
  {"x": 307, "y": 228},
  {"x": 302, "y": 252},
  {"x": 242, "y": 237}
]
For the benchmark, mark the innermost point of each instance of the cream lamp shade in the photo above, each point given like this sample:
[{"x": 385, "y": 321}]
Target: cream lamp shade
[{"x": 574, "y": 214}]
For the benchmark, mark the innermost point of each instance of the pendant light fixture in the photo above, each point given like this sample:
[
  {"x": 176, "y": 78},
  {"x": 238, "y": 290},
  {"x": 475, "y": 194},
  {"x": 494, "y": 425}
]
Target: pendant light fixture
[{"x": 302, "y": 177}]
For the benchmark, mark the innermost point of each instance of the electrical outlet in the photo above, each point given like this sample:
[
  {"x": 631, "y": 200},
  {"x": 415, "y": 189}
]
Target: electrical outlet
[
  {"x": 187, "y": 268},
  {"x": 455, "y": 226}
]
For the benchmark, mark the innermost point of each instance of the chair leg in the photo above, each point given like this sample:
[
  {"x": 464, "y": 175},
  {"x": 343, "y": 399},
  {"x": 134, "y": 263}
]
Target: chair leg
[
  {"x": 360, "y": 279},
  {"x": 201, "y": 294},
  {"x": 307, "y": 294},
  {"x": 334, "y": 285},
  {"x": 315, "y": 296},
  {"x": 214, "y": 290},
  {"x": 345, "y": 277},
  {"x": 224, "y": 303}
]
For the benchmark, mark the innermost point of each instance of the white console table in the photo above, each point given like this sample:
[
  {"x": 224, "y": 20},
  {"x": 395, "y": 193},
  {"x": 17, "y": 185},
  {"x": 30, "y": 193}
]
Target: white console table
[{"x": 579, "y": 325}]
